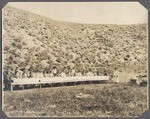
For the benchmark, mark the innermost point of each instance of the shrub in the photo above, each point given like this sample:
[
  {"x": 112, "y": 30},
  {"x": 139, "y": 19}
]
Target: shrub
[
  {"x": 24, "y": 43},
  {"x": 6, "y": 48},
  {"x": 18, "y": 39},
  {"x": 43, "y": 46},
  {"x": 19, "y": 46}
]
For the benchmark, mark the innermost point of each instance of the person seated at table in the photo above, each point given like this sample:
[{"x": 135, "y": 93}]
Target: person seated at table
[
  {"x": 54, "y": 71},
  {"x": 51, "y": 74},
  {"x": 63, "y": 74},
  {"x": 73, "y": 71},
  {"x": 41, "y": 75},
  {"x": 25, "y": 73},
  {"x": 44, "y": 72},
  {"x": 105, "y": 73},
  {"x": 78, "y": 73},
  {"x": 18, "y": 73},
  {"x": 98, "y": 73},
  {"x": 30, "y": 73},
  {"x": 89, "y": 73}
]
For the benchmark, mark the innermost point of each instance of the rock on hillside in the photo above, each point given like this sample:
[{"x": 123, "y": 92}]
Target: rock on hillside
[{"x": 30, "y": 39}]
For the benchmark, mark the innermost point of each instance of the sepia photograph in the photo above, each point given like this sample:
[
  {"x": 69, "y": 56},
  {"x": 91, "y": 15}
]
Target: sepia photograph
[{"x": 74, "y": 59}]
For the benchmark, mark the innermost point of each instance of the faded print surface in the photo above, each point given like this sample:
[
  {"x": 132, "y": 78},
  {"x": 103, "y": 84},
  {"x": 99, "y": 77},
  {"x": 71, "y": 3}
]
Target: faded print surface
[{"x": 103, "y": 45}]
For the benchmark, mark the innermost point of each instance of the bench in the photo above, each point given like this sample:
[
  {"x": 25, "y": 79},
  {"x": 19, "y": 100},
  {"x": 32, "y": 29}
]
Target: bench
[{"x": 54, "y": 80}]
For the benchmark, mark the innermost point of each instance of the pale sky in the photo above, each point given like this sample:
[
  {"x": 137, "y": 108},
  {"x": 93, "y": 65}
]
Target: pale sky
[{"x": 88, "y": 12}]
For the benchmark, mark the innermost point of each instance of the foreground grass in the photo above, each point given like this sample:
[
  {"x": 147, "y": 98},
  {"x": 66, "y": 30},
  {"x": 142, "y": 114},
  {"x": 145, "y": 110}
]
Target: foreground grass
[{"x": 102, "y": 100}]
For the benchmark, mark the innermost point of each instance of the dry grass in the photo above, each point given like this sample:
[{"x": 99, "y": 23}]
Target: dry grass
[{"x": 107, "y": 100}]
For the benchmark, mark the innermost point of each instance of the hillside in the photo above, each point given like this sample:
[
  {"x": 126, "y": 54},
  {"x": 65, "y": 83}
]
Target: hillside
[{"x": 36, "y": 42}]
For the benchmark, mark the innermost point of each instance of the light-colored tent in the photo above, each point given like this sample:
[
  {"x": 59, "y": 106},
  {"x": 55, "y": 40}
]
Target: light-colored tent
[{"x": 124, "y": 77}]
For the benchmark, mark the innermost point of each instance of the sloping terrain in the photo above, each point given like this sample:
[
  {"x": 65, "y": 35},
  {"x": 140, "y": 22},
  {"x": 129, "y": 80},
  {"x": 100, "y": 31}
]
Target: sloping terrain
[
  {"x": 34, "y": 41},
  {"x": 37, "y": 42}
]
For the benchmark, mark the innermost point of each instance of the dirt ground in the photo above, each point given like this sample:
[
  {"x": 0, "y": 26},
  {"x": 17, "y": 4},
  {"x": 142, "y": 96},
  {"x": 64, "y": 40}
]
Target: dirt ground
[{"x": 92, "y": 100}]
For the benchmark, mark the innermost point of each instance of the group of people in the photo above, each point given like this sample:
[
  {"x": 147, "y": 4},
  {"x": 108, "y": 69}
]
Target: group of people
[
  {"x": 9, "y": 75},
  {"x": 64, "y": 72},
  {"x": 54, "y": 72},
  {"x": 73, "y": 72}
]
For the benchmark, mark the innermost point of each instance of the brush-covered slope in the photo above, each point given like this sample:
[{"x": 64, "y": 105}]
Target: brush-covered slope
[{"x": 31, "y": 40}]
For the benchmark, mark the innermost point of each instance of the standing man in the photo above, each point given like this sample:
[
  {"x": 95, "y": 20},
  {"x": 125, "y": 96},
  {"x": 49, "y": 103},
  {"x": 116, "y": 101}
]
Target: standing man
[
  {"x": 7, "y": 79},
  {"x": 116, "y": 75}
]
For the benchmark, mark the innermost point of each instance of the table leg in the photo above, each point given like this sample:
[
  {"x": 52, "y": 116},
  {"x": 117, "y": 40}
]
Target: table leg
[
  {"x": 11, "y": 87},
  {"x": 23, "y": 87}
]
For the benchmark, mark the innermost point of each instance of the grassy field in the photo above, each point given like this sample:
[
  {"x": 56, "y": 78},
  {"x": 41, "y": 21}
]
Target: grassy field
[{"x": 94, "y": 100}]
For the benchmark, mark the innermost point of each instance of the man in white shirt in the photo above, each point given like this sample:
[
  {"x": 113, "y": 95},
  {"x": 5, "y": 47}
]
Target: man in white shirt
[{"x": 116, "y": 75}]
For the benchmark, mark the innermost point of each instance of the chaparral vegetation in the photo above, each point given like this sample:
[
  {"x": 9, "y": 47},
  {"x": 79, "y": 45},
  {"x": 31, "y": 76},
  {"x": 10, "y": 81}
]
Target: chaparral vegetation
[{"x": 37, "y": 42}]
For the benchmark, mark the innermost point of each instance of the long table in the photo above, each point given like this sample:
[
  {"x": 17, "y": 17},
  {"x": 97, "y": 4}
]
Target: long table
[{"x": 54, "y": 80}]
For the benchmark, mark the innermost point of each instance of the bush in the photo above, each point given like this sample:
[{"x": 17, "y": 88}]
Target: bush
[
  {"x": 6, "y": 48},
  {"x": 19, "y": 46},
  {"x": 43, "y": 46},
  {"x": 18, "y": 39},
  {"x": 24, "y": 43},
  {"x": 13, "y": 44}
]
